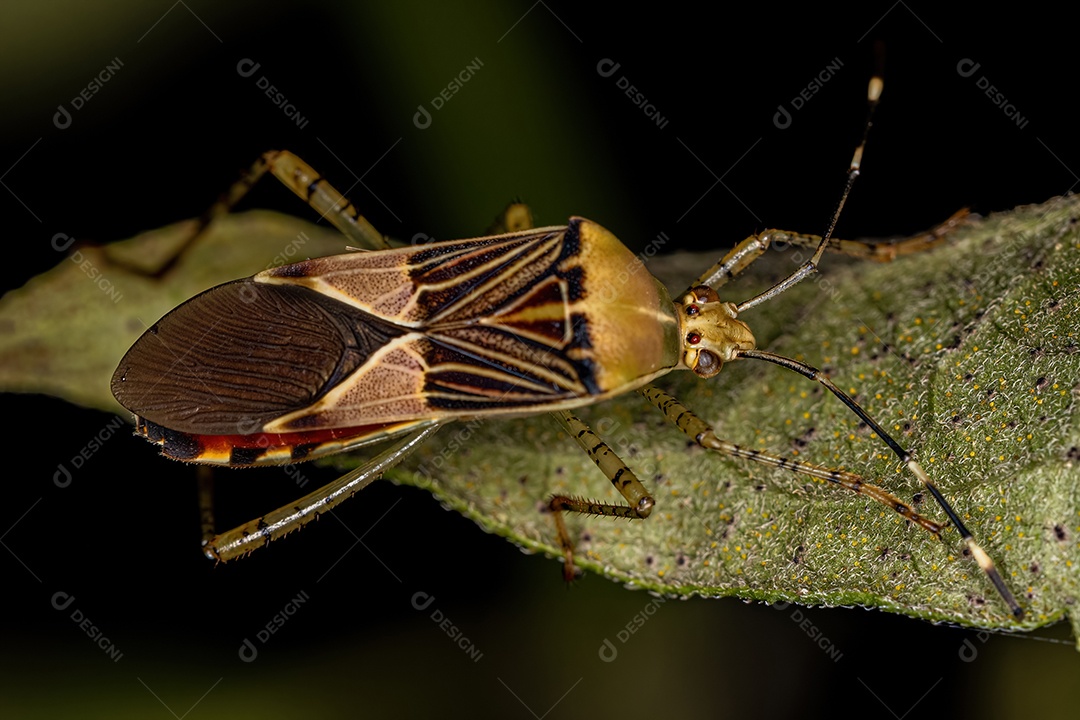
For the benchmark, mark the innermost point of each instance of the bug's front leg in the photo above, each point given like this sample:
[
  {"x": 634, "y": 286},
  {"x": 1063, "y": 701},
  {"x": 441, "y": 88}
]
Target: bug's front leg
[
  {"x": 639, "y": 501},
  {"x": 749, "y": 250},
  {"x": 702, "y": 433}
]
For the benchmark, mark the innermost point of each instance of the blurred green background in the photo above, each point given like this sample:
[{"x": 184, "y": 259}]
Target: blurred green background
[{"x": 537, "y": 121}]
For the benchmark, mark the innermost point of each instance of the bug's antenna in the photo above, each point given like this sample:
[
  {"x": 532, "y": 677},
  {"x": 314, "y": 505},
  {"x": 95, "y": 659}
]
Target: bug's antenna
[
  {"x": 873, "y": 95},
  {"x": 912, "y": 465}
]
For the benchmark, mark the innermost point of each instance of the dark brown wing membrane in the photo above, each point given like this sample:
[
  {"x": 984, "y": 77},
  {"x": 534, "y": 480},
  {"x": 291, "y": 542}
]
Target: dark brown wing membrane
[{"x": 241, "y": 354}]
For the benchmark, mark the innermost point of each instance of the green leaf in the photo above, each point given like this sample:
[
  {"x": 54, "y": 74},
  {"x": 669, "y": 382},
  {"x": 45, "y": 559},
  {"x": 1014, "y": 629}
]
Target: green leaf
[{"x": 969, "y": 353}]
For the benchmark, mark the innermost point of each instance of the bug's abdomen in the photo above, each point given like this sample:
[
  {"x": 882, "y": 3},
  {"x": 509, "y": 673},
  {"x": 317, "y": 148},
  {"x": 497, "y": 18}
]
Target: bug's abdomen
[{"x": 239, "y": 355}]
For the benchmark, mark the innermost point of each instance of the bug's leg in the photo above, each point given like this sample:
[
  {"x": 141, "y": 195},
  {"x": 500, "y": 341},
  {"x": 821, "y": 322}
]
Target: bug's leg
[
  {"x": 702, "y": 433},
  {"x": 905, "y": 457},
  {"x": 639, "y": 501},
  {"x": 205, "y": 479},
  {"x": 302, "y": 179},
  {"x": 257, "y": 533},
  {"x": 310, "y": 187},
  {"x": 880, "y": 250},
  {"x": 745, "y": 253},
  {"x": 514, "y": 217}
]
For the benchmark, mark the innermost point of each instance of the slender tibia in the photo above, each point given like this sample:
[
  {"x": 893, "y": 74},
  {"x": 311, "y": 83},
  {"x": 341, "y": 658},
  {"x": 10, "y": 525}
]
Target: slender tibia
[
  {"x": 701, "y": 433},
  {"x": 280, "y": 522},
  {"x": 640, "y": 502}
]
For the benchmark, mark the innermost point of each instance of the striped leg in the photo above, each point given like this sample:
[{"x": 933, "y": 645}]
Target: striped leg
[
  {"x": 302, "y": 179},
  {"x": 746, "y": 252},
  {"x": 639, "y": 501},
  {"x": 905, "y": 457},
  {"x": 257, "y": 533},
  {"x": 310, "y": 187},
  {"x": 701, "y": 433}
]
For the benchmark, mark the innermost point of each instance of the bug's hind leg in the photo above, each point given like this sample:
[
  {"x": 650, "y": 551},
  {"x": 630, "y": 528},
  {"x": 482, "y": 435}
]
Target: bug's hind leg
[
  {"x": 205, "y": 479},
  {"x": 257, "y": 533},
  {"x": 639, "y": 501},
  {"x": 310, "y": 187},
  {"x": 306, "y": 183}
]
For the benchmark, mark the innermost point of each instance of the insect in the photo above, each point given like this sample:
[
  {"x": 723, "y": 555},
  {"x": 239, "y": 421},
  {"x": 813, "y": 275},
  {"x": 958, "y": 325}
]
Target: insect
[{"x": 385, "y": 346}]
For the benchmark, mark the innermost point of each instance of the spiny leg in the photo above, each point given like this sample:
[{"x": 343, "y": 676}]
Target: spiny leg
[
  {"x": 276, "y": 524},
  {"x": 702, "y": 433},
  {"x": 912, "y": 465},
  {"x": 640, "y": 502}
]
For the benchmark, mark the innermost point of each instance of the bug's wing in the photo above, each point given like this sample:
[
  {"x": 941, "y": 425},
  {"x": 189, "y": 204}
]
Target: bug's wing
[
  {"x": 482, "y": 326},
  {"x": 239, "y": 355},
  {"x": 501, "y": 324}
]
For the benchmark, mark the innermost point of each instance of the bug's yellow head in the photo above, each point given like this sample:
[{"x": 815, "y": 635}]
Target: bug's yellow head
[{"x": 712, "y": 335}]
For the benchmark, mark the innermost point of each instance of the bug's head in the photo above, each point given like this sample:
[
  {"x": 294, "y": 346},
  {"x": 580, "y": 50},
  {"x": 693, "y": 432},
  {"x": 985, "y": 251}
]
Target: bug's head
[{"x": 712, "y": 334}]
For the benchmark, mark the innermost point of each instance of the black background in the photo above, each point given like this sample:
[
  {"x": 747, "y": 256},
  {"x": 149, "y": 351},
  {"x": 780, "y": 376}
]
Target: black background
[{"x": 165, "y": 135}]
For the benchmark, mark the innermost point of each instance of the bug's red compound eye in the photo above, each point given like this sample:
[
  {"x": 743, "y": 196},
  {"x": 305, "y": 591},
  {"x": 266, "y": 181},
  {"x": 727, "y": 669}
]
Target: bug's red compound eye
[
  {"x": 693, "y": 338},
  {"x": 692, "y": 310}
]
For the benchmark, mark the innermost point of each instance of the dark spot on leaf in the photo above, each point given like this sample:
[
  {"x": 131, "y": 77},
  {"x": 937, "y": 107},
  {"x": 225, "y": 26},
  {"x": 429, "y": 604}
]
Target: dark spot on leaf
[
  {"x": 680, "y": 560},
  {"x": 649, "y": 560},
  {"x": 1060, "y": 534},
  {"x": 804, "y": 440},
  {"x": 1035, "y": 567}
]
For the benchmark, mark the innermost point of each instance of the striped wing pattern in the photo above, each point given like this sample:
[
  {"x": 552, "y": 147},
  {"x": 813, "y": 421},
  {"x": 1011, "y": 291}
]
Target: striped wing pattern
[
  {"x": 333, "y": 353},
  {"x": 487, "y": 326}
]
